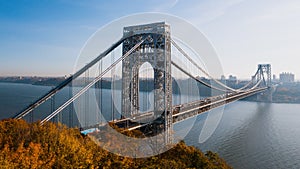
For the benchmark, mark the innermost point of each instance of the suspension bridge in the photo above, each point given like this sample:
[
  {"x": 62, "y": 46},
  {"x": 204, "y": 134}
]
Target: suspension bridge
[{"x": 152, "y": 44}]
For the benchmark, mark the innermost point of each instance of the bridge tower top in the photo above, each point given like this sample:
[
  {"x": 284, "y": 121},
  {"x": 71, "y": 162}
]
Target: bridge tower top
[{"x": 158, "y": 28}]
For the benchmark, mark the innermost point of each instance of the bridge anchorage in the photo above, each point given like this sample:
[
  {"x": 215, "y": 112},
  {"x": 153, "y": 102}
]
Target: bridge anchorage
[{"x": 149, "y": 43}]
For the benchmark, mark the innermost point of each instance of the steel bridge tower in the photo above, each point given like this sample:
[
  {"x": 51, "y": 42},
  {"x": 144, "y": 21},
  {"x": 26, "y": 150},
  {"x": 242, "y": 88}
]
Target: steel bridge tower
[
  {"x": 265, "y": 69},
  {"x": 156, "y": 50}
]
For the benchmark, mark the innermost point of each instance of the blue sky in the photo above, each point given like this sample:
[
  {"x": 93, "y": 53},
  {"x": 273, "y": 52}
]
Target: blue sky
[{"x": 44, "y": 38}]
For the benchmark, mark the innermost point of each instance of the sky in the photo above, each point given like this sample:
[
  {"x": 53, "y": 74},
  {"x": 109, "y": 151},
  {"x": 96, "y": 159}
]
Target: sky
[{"x": 44, "y": 38}]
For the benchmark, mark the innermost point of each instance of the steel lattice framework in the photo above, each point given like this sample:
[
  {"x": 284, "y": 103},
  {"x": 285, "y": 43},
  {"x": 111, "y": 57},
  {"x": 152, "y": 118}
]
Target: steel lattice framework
[
  {"x": 156, "y": 50},
  {"x": 265, "y": 69}
]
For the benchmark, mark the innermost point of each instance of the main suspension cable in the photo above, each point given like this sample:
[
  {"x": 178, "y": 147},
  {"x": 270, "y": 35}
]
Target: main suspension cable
[
  {"x": 91, "y": 83},
  {"x": 203, "y": 71},
  {"x": 198, "y": 80}
]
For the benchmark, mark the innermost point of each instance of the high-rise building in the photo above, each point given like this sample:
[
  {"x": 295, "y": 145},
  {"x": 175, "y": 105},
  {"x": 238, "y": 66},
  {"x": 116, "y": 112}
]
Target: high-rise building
[
  {"x": 232, "y": 78},
  {"x": 223, "y": 78},
  {"x": 286, "y": 77},
  {"x": 275, "y": 80}
]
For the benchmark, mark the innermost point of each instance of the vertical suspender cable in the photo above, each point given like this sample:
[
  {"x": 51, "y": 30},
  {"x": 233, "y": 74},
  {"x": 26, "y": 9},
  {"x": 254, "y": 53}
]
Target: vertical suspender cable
[
  {"x": 59, "y": 109},
  {"x": 112, "y": 86},
  {"x": 70, "y": 107}
]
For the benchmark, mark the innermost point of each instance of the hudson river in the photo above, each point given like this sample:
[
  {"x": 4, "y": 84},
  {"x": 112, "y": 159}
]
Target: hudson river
[{"x": 249, "y": 135}]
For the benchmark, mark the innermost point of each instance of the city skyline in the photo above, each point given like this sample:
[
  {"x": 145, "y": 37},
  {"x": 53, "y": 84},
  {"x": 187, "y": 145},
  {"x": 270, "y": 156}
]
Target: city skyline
[{"x": 35, "y": 35}]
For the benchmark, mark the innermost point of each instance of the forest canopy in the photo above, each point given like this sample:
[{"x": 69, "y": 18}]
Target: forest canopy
[{"x": 30, "y": 145}]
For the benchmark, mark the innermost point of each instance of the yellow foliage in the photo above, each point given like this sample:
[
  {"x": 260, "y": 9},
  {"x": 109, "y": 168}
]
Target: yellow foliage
[{"x": 24, "y": 145}]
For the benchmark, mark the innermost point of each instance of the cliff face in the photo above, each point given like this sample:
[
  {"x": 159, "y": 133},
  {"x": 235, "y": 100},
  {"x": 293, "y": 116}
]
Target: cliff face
[{"x": 24, "y": 145}]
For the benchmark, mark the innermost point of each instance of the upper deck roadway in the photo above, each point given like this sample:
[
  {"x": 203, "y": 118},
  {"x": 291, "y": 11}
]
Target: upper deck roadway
[{"x": 187, "y": 110}]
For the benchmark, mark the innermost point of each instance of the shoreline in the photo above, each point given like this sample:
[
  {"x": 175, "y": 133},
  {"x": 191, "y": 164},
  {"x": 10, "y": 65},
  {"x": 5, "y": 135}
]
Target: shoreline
[{"x": 53, "y": 85}]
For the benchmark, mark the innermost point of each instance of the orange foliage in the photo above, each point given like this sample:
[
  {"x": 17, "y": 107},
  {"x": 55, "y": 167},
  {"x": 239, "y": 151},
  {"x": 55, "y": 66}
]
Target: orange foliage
[{"x": 24, "y": 145}]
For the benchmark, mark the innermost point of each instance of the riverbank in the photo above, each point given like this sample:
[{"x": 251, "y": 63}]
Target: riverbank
[{"x": 283, "y": 93}]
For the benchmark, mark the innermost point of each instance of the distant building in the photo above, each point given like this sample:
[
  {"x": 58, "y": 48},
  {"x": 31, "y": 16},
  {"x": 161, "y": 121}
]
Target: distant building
[
  {"x": 223, "y": 78},
  {"x": 275, "y": 80},
  {"x": 232, "y": 78},
  {"x": 286, "y": 77}
]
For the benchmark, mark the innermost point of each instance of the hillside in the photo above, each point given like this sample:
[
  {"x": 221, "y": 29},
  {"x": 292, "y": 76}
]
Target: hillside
[{"x": 24, "y": 145}]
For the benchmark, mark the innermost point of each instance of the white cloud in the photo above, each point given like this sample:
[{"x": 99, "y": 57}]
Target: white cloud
[
  {"x": 203, "y": 12},
  {"x": 278, "y": 12},
  {"x": 164, "y": 6}
]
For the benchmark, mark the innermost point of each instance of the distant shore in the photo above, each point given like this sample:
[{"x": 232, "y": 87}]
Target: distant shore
[{"x": 283, "y": 93}]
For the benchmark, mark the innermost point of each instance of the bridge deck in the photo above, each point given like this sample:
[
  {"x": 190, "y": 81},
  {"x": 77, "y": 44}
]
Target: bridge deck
[
  {"x": 192, "y": 109},
  {"x": 187, "y": 110}
]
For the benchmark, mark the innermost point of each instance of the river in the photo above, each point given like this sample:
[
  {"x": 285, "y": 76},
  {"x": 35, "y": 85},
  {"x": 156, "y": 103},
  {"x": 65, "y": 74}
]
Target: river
[{"x": 249, "y": 135}]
